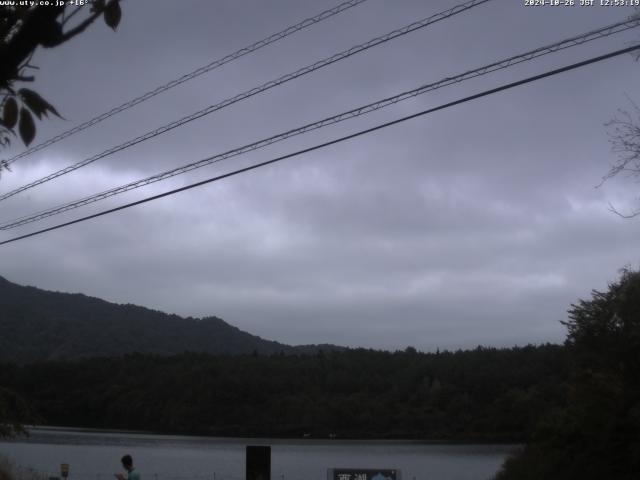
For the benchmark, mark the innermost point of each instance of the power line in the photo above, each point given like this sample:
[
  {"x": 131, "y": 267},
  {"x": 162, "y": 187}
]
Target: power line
[
  {"x": 333, "y": 142},
  {"x": 191, "y": 75},
  {"x": 499, "y": 65},
  {"x": 254, "y": 91}
]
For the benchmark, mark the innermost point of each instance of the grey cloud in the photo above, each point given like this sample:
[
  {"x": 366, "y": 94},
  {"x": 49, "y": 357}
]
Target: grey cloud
[{"x": 476, "y": 225}]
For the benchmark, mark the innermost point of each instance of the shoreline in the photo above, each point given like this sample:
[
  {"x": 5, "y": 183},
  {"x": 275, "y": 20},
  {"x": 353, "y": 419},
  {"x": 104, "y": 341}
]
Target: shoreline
[{"x": 52, "y": 429}]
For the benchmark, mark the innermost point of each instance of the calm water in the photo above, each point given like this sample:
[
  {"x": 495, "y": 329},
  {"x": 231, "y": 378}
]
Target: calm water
[{"x": 94, "y": 455}]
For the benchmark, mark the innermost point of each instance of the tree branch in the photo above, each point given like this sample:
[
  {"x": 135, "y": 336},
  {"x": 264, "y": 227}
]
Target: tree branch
[
  {"x": 80, "y": 27},
  {"x": 70, "y": 16},
  {"x": 633, "y": 214}
]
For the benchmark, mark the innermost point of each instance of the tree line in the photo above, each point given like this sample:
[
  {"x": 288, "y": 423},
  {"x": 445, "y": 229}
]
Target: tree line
[{"x": 480, "y": 394}]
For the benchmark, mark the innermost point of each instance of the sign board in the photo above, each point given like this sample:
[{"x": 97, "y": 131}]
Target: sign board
[{"x": 363, "y": 474}]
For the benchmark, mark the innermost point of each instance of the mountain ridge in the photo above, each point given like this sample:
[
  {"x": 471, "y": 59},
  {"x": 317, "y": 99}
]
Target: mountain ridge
[{"x": 43, "y": 325}]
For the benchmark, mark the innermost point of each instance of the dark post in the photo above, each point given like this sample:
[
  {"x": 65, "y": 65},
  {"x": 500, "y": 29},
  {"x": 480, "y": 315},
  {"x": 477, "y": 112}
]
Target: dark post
[{"x": 258, "y": 463}]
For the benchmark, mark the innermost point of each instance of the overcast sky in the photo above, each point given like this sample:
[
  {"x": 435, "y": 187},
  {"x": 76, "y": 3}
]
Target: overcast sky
[{"x": 479, "y": 224}]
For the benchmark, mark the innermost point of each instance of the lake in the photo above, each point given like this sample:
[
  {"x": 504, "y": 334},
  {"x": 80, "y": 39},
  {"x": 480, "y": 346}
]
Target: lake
[{"x": 95, "y": 455}]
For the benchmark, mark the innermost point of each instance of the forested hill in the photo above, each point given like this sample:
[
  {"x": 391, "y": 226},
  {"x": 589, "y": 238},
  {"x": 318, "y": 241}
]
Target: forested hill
[
  {"x": 475, "y": 395},
  {"x": 39, "y": 325}
]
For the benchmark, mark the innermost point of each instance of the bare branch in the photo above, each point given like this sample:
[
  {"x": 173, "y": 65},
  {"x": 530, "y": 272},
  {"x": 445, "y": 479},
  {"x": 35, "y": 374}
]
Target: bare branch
[
  {"x": 634, "y": 213},
  {"x": 624, "y": 137}
]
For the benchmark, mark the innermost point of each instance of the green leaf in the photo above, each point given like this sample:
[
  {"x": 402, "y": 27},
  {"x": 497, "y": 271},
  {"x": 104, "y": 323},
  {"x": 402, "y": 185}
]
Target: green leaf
[
  {"x": 112, "y": 14},
  {"x": 36, "y": 103},
  {"x": 26, "y": 127},
  {"x": 10, "y": 113}
]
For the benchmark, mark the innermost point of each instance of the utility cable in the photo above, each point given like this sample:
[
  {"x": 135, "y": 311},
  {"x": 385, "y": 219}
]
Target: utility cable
[
  {"x": 502, "y": 64},
  {"x": 254, "y": 91},
  {"x": 191, "y": 75},
  {"x": 332, "y": 142}
]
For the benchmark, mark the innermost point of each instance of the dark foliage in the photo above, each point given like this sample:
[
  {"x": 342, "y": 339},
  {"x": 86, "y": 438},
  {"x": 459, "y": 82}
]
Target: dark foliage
[
  {"x": 15, "y": 412},
  {"x": 597, "y": 433},
  {"x": 482, "y": 394},
  {"x": 23, "y": 29}
]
